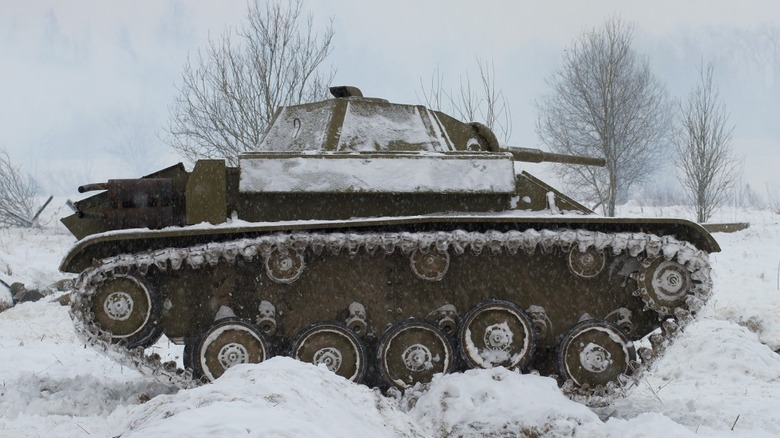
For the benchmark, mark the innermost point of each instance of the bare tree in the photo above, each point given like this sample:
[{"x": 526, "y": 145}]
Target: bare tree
[
  {"x": 133, "y": 139},
  {"x": 482, "y": 102},
  {"x": 773, "y": 197},
  {"x": 702, "y": 136},
  {"x": 229, "y": 95},
  {"x": 755, "y": 51},
  {"x": 605, "y": 102},
  {"x": 745, "y": 196},
  {"x": 17, "y": 194}
]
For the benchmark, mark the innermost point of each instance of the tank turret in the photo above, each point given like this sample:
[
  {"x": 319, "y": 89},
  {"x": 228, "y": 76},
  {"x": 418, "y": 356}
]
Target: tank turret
[{"x": 388, "y": 242}]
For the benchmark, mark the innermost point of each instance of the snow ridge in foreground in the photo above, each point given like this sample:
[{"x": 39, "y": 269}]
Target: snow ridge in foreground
[{"x": 722, "y": 373}]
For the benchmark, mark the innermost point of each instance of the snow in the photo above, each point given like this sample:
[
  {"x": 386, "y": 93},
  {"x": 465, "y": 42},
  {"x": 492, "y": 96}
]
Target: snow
[
  {"x": 373, "y": 173},
  {"x": 720, "y": 378},
  {"x": 368, "y": 125},
  {"x": 307, "y": 135},
  {"x": 282, "y": 397}
]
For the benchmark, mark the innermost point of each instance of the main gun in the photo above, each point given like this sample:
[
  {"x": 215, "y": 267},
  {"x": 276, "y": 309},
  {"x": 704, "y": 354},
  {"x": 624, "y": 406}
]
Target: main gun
[{"x": 530, "y": 155}]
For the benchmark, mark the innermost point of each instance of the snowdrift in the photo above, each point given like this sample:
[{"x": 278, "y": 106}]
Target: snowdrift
[{"x": 721, "y": 377}]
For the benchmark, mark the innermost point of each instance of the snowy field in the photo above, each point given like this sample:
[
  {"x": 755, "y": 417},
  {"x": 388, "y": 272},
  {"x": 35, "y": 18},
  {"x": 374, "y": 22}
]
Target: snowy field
[{"x": 721, "y": 377}]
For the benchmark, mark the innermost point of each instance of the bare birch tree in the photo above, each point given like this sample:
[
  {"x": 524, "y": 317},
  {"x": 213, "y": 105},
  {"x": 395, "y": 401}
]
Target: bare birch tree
[
  {"x": 702, "y": 135},
  {"x": 605, "y": 102},
  {"x": 482, "y": 102},
  {"x": 17, "y": 194},
  {"x": 773, "y": 197},
  {"x": 230, "y": 93},
  {"x": 133, "y": 139}
]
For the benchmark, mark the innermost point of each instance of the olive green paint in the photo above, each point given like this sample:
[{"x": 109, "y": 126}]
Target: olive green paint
[{"x": 206, "y": 193}]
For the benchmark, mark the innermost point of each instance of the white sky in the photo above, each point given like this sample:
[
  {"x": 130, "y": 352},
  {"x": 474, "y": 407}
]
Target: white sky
[{"x": 71, "y": 72}]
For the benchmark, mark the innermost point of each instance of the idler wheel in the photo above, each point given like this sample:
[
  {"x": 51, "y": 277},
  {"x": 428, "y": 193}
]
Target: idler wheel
[
  {"x": 227, "y": 342},
  {"x": 496, "y": 333},
  {"x": 412, "y": 351},
  {"x": 586, "y": 264},
  {"x": 595, "y": 352},
  {"x": 431, "y": 265},
  {"x": 663, "y": 284},
  {"x": 129, "y": 309},
  {"x": 284, "y": 266},
  {"x": 332, "y": 345}
]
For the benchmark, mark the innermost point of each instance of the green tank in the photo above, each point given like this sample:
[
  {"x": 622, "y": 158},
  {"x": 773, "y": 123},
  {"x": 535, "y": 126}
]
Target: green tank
[{"x": 387, "y": 242}]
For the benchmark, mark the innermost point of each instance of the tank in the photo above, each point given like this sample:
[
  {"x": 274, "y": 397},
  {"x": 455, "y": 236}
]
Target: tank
[{"x": 387, "y": 242}]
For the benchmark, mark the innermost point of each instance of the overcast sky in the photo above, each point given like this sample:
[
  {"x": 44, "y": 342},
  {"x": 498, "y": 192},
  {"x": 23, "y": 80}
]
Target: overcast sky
[{"x": 80, "y": 76}]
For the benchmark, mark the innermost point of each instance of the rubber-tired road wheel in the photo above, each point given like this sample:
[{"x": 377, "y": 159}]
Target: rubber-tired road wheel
[
  {"x": 496, "y": 333},
  {"x": 128, "y": 308},
  {"x": 594, "y": 352},
  {"x": 412, "y": 351},
  {"x": 332, "y": 345},
  {"x": 228, "y": 342}
]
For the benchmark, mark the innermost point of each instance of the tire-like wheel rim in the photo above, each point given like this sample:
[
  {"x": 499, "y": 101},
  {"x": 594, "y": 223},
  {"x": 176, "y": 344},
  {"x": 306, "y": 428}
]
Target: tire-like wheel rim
[
  {"x": 496, "y": 333},
  {"x": 127, "y": 308},
  {"x": 334, "y": 346},
  {"x": 284, "y": 266},
  {"x": 413, "y": 352},
  {"x": 595, "y": 352},
  {"x": 587, "y": 264},
  {"x": 431, "y": 265},
  {"x": 664, "y": 284},
  {"x": 226, "y": 343}
]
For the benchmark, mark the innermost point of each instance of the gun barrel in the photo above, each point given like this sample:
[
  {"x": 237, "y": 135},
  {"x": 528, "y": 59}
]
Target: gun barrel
[
  {"x": 91, "y": 187},
  {"x": 539, "y": 156}
]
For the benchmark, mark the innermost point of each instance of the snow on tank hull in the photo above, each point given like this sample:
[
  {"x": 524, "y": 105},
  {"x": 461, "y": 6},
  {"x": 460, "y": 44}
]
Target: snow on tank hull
[{"x": 388, "y": 300}]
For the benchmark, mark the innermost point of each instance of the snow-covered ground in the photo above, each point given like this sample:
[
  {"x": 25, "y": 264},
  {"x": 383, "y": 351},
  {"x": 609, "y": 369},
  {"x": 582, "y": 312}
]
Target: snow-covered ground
[{"x": 721, "y": 378}]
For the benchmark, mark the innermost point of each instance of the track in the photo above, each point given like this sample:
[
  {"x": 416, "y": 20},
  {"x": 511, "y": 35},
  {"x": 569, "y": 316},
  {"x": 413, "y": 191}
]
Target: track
[{"x": 649, "y": 250}]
